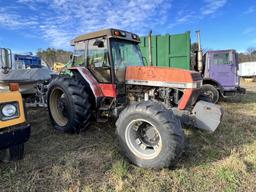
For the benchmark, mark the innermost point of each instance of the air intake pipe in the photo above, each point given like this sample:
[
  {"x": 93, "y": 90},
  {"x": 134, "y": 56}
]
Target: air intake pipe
[
  {"x": 5, "y": 59},
  {"x": 199, "y": 53},
  {"x": 150, "y": 48}
]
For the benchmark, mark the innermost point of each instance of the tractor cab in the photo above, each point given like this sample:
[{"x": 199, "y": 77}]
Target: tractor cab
[{"x": 107, "y": 53}]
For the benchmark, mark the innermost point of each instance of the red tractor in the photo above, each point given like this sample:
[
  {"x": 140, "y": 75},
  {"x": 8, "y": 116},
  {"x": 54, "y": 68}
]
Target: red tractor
[{"x": 108, "y": 79}]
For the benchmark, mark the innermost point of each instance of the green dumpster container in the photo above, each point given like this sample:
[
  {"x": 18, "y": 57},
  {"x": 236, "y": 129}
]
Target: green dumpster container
[{"x": 168, "y": 50}]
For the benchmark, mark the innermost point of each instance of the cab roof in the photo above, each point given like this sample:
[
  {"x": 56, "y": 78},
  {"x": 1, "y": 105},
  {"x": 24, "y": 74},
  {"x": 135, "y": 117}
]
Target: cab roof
[{"x": 105, "y": 32}]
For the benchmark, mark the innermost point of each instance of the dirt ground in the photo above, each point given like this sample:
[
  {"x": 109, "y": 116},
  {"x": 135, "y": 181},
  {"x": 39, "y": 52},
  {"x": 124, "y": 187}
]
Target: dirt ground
[{"x": 90, "y": 161}]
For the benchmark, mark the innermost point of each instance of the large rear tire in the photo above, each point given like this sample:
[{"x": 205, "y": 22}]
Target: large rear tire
[
  {"x": 150, "y": 136},
  {"x": 68, "y": 105},
  {"x": 210, "y": 92}
]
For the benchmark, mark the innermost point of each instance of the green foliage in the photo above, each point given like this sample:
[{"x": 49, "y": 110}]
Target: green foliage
[{"x": 228, "y": 176}]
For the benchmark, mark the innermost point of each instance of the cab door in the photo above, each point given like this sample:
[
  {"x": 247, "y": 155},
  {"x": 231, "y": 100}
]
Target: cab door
[{"x": 98, "y": 60}]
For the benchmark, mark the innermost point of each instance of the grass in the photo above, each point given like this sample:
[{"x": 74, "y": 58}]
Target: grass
[{"x": 222, "y": 161}]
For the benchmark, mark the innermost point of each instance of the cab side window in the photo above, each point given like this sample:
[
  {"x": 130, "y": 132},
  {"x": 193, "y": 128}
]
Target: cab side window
[
  {"x": 79, "y": 54},
  {"x": 222, "y": 59},
  {"x": 98, "y": 60}
]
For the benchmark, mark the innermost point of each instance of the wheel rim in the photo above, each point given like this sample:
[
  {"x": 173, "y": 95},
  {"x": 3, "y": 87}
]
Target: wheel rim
[
  {"x": 58, "y": 107},
  {"x": 209, "y": 94},
  {"x": 143, "y": 139}
]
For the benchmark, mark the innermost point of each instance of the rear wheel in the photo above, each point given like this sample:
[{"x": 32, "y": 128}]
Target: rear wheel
[
  {"x": 13, "y": 153},
  {"x": 150, "y": 135},
  {"x": 210, "y": 92},
  {"x": 68, "y": 105}
]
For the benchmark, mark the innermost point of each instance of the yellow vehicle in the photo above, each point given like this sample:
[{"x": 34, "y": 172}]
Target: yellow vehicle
[
  {"x": 14, "y": 130},
  {"x": 57, "y": 66}
]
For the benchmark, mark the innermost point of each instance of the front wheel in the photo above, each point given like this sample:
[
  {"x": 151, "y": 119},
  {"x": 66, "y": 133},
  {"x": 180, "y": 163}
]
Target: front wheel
[
  {"x": 210, "y": 92},
  {"x": 149, "y": 135},
  {"x": 13, "y": 153}
]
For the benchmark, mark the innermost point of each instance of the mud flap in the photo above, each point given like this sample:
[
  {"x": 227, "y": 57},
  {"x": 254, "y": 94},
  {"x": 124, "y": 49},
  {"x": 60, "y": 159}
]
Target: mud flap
[{"x": 207, "y": 116}]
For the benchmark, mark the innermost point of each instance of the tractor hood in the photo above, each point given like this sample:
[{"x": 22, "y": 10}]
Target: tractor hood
[{"x": 162, "y": 77}]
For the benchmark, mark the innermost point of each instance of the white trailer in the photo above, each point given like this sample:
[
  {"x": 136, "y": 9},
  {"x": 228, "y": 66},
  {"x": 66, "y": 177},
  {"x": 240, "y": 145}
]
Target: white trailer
[{"x": 247, "y": 69}]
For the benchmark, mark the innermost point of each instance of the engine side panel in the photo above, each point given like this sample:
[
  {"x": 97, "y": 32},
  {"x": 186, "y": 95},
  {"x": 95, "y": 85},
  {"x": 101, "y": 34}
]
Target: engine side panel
[{"x": 162, "y": 77}]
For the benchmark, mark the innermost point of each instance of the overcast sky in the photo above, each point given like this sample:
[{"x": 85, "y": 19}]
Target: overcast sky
[{"x": 26, "y": 25}]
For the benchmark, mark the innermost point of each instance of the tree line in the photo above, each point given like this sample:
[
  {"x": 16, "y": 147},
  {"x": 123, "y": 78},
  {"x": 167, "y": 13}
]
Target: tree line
[
  {"x": 51, "y": 55},
  {"x": 249, "y": 56}
]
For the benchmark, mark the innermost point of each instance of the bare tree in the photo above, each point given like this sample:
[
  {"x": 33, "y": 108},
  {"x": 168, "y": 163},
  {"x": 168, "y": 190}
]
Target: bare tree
[{"x": 51, "y": 55}]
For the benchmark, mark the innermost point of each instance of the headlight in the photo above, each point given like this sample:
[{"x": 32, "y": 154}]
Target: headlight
[{"x": 9, "y": 111}]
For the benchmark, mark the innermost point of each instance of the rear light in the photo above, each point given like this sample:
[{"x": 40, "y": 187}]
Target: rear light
[
  {"x": 120, "y": 33},
  {"x": 117, "y": 33},
  {"x": 123, "y": 34},
  {"x": 134, "y": 36},
  {"x": 14, "y": 87}
]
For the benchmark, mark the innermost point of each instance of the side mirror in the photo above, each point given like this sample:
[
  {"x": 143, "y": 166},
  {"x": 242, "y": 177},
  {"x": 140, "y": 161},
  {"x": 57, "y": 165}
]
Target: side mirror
[
  {"x": 99, "y": 43},
  {"x": 6, "y": 59}
]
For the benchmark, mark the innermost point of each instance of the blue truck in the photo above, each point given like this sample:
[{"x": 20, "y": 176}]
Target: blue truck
[{"x": 27, "y": 61}]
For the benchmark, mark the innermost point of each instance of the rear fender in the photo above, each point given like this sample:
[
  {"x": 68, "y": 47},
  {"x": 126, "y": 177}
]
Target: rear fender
[{"x": 99, "y": 90}]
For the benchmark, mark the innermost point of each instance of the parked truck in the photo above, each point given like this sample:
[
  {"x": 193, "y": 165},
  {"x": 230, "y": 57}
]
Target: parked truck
[
  {"x": 107, "y": 78},
  {"x": 32, "y": 75},
  {"x": 14, "y": 130},
  {"x": 24, "y": 61},
  {"x": 247, "y": 69},
  {"x": 218, "y": 68}
]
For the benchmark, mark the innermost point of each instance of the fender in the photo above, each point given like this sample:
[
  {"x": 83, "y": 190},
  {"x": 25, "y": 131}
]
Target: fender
[
  {"x": 99, "y": 90},
  {"x": 213, "y": 82},
  {"x": 189, "y": 98}
]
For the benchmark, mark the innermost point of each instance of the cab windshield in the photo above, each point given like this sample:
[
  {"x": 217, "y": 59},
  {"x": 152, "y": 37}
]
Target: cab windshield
[{"x": 126, "y": 53}]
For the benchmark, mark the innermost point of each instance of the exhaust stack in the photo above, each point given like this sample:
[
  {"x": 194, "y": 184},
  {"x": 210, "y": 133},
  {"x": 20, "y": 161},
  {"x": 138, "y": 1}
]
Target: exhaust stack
[
  {"x": 150, "y": 48},
  {"x": 5, "y": 59},
  {"x": 199, "y": 53}
]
